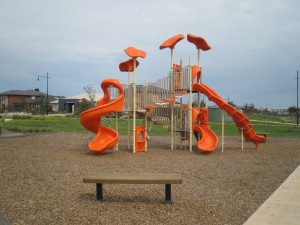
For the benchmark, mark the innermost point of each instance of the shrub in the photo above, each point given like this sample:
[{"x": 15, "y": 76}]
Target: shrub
[
  {"x": 21, "y": 117},
  {"x": 50, "y": 118}
]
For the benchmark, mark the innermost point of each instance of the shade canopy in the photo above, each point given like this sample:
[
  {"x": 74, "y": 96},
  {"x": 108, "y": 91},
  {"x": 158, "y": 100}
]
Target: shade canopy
[
  {"x": 171, "y": 42},
  {"x": 128, "y": 65},
  {"x": 134, "y": 52},
  {"x": 200, "y": 42}
]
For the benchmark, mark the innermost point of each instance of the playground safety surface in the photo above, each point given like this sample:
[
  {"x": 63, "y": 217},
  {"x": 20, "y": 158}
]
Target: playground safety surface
[{"x": 41, "y": 181}]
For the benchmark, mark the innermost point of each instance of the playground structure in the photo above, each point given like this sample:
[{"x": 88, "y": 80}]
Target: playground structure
[{"x": 161, "y": 102}]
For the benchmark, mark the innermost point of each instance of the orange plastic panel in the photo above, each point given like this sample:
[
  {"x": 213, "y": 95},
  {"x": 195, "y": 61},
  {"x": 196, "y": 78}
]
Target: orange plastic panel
[
  {"x": 177, "y": 74},
  {"x": 200, "y": 42},
  {"x": 184, "y": 107},
  {"x": 203, "y": 117},
  {"x": 128, "y": 66},
  {"x": 149, "y": 107},
  {"x": 140, "y": 140},
  {"x": 177, "y": 68},
  {"x": 170, "y": 100},
  {"x": 149, "y": 118},
  {"x": 196, "y": 71},
  {"x": 183, "y": 93},
  {"x": 171, "y": 42},
  {"x": 195, "y": 113},
  {"x": 134, "y": 52}
]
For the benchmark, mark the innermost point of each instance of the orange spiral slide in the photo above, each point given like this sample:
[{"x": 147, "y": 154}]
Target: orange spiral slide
[
  {"x": 90, "y": 119},
  {"x": 239, "y": 118},
  {"x": 209, "y": 140}
]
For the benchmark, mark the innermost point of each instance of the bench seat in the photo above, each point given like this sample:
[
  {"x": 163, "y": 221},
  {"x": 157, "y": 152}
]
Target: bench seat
[{"x": 123, "y": 178}]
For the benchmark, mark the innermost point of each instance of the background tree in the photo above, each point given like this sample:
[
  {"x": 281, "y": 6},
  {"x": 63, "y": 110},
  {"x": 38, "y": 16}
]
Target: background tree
[
  {"x": 293, "y": 110},
  {"x": 91, "y": 93},
  {"x": 195, "y": 102},
  {"x": 83, "y": 106},
  {"x": 42, "y": 103},
  {"x": 232, "y": 103},
  {"x": 24, "y": 104},
  {"x": 86, "y": 104},
  {"x": 249, "y": 109}
]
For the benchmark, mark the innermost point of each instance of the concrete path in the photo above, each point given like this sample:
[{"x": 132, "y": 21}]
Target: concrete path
[
  {"x": 3, "y": 221},
  {"x": 8, "y": 134},
  {"x": 283, "y": 206}
]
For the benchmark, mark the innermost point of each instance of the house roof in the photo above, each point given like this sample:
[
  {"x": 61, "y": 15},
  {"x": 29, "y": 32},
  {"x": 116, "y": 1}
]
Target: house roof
[
  {"x": 29, "y": 92},
  {"x": 86, "y": 96}
]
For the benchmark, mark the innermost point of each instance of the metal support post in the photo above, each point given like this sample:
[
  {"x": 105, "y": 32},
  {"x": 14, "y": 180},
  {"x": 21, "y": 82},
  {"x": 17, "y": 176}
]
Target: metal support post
[
  {"x": 168, "y": 199},
  {"x": 134, "y": 105},
  {"x": 99, "y": 191},
  {"x": 190, "y": 106}
]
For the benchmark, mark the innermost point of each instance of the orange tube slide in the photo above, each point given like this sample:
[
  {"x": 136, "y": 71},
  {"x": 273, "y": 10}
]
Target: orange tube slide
[
  {"x": 239, "y": 118},
  {"x": 90, "y": 119}
]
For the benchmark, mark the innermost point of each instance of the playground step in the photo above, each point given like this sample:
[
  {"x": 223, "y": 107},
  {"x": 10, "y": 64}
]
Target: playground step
[{"x": 283, "y": 206}]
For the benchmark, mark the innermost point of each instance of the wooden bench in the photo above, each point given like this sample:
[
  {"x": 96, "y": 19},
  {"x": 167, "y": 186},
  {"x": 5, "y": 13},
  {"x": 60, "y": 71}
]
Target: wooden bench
[{"x": 113, "y": 178}]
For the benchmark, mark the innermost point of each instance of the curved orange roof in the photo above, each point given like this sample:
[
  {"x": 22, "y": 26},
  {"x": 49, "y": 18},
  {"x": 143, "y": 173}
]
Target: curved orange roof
[
  {"x": 149, "y": 107},
  {"x": 127, "y": 66},
  {"x": 134, "y": 52},
  {"x": 170, "y": 100},
  {"x": 200, "y": 42},
  {"x": 171, "y": 42}
]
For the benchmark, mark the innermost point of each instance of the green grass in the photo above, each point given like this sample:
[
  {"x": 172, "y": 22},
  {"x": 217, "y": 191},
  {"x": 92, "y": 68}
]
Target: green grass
[
  {"x": 273, "y": 130},
  {"x": 65, "y": 124},
  {"x": 262, "y": 124}
]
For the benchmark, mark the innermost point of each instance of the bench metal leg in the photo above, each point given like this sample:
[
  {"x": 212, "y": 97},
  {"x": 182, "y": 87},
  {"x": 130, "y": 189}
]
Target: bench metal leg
[
  {"x": 168, "y": 199},
  {"x": 99, "y": 191}
]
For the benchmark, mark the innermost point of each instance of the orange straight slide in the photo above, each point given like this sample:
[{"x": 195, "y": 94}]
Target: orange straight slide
[
  {"x": 239, "y": 118},
  {"x": 90, "y": 119}
]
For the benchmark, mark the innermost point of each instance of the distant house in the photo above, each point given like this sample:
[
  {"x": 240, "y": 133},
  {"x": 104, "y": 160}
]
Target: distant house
[
  {"x": 20, "y": 100},
  {"x": 69, "y": 104},
  {"x": 278, "y": 112},
  {"x": 54, "y": 104},
  {"x": 215, "y": 115}
]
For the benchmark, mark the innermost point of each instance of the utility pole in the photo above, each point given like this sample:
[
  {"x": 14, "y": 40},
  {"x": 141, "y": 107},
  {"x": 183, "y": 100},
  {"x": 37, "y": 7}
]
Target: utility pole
[
  {"x": 297, "y": 114},
  {"x": 47, "y": 77}
]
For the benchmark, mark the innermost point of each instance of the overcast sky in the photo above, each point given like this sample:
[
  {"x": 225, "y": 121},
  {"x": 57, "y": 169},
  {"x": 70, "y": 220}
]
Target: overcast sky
[{"x": 254, "y": 57}]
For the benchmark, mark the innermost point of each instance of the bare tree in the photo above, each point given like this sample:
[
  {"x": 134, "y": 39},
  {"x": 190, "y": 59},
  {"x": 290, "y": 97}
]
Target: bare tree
[
  {"x": 86, "y": 104},
  {"x": 91, "y": 93}
]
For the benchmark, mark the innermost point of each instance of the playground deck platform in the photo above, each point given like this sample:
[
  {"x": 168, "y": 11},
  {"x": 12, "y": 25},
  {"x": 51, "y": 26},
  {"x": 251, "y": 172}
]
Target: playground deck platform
[{"x": 283, "y": 206}]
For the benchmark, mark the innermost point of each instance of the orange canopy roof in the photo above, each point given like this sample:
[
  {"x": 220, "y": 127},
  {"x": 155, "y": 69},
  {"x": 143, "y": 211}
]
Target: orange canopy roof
[
  {"x": 170, "y": 100},
  {"x": 171, "y": 42},
  {"x": 128, "y": 65},
  {"x": 200, "y": 42},
  {"x": 134, "y": 52}
]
